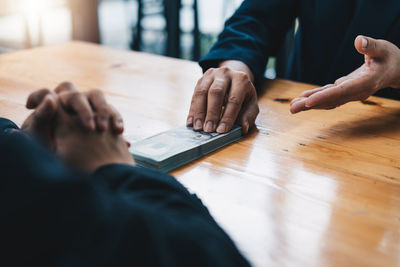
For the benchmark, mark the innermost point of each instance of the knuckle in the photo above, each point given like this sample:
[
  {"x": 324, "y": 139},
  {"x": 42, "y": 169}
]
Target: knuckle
[
  {"x": 337, "y": 81},
  {"x": 217, "y": 91},
  {"x": 234, "y": 100},
  {"x": 96, "y": 92},
  {"x": 209, "y": 71},
  {"x": 223, "y": 69},
  {"x": 66, "y": 84},
  {"x": 44, "y": 91},
  {"x": 201, "y": 91},
  {"x": 249, "y": 86},
  {"x": 242, "y": 76},
  {"x": 200, "y": 81}
]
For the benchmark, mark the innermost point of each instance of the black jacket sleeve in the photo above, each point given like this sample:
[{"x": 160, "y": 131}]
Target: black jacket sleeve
[
  {"x": 6, "y": 126},
  {"x": 52, "y": 215},
  {"x": 255, "y": 32}
]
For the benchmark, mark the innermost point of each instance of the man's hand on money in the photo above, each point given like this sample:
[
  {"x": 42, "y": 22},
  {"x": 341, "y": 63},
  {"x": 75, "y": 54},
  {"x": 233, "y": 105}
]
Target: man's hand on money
[{"x": 223, "y": 96}]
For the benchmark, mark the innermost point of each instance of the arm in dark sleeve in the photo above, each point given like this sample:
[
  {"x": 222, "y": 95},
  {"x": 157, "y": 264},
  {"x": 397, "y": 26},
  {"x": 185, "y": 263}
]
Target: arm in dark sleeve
[
  {"x": 7, "y": 125},
  {"x": 52, "y": 215},
  {"x": 174, "y": 227},
  {"x": 255, "y": 32},
  {"x": 46, "y": 208}
]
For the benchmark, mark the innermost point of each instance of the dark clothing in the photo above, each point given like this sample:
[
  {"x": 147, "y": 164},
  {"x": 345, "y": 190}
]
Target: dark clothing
[
  {"x": 52, "y": 215},
  {"x": 324, "y": 44}
]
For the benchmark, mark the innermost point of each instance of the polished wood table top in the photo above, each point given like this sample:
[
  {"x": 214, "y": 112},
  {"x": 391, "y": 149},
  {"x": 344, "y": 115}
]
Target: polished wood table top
[{"x": 321, "y": 188}]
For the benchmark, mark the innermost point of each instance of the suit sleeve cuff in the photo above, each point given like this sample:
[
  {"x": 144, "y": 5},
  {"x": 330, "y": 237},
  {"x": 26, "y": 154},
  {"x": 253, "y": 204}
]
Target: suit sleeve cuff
[{"x": 216, "y": 56}]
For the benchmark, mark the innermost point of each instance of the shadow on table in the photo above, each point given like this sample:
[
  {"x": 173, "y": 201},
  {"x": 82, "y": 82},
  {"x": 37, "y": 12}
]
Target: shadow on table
[{"x": 388, "y": 122}]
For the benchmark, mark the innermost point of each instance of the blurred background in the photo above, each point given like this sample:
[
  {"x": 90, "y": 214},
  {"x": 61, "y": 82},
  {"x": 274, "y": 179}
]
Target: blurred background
[{"x": 176, "y": 28}]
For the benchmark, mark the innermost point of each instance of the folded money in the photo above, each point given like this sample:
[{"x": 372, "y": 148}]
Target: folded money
[{"x": 171, "y": 149}]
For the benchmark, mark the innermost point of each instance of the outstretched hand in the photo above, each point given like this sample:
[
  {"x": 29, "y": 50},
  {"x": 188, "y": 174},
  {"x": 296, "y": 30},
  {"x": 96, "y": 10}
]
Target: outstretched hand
[{"x": 381, "y": 69}]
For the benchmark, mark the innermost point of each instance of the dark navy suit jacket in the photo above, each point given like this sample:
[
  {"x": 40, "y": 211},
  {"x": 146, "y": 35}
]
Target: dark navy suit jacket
[
  {"x": 324, "y": 44},
  {"x": 52, "y": 215}
]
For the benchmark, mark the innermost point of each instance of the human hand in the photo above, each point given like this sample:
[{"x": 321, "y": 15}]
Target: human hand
[
  {"x": 380, "y": 70},
  {"x": 91, "y": 108},
  {"x": 85, "y": 149},
  {"x": 223, "y": 96}
]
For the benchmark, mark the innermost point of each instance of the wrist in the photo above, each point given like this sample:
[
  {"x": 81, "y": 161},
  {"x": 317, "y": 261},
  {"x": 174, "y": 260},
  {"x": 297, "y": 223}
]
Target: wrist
[{"x": 237, "y": 65}]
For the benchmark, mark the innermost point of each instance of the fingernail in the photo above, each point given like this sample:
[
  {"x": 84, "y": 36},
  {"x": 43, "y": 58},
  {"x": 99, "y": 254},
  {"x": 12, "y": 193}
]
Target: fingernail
[
  {"x": 221, "y": 128},
  {"x": 120, "y": 123},
  {"x": 198, "y": 124},
  {"x": 209, "y": 127},
  {"x": 364, "y": 43},
  {"x": 189, "y": 121}
]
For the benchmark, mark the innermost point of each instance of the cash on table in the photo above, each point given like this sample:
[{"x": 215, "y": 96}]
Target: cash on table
[{"x": 171, "y": 149}]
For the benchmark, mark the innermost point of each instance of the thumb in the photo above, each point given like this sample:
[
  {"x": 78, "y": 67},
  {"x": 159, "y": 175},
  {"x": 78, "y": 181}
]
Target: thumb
[{"x": 370, "y": 47}]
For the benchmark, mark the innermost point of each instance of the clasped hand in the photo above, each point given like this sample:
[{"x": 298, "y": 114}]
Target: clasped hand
[{"x": 81, "y": 128}]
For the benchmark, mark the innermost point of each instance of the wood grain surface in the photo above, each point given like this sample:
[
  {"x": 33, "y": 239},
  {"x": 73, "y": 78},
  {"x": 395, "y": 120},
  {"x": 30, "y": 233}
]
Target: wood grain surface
[{"x": 321, "y": 188}]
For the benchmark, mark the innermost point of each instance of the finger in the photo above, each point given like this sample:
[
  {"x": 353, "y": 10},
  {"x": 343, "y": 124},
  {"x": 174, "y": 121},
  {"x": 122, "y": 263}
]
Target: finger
[
  {"x": 307, "y": 93},
  {"x": 43, "y": 115},
  {"x": 200, "y": 102},
  {"x": 371, "y": 47},
  {"x": 341, "y": 80},
  {"x": 299, "y": 105},
  {"x": 296, "y": 100},
  {"x": 248, "y": 115},
  {"x": 36, "y": 98},
  {"x": 99, "y": 104},
  {"x": 65, "y": 87},
  {"x": 350, "y": 90},
  {"x": 78, "y": 103},
  {"x": 216, "y": 96},
  {"x": 189, "y": 119},
  {"x": 240, "y": 86},
  {"x": 116, "y": 120},
  {"x": 324, "y": 97}
]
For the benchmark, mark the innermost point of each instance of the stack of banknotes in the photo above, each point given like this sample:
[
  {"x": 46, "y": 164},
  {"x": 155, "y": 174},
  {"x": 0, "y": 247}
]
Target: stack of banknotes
[{"x": 174, "y": 148}]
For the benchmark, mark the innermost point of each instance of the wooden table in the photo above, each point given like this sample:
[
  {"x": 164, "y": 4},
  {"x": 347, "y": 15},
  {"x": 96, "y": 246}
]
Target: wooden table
[{"x": 321, "y": 188}]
